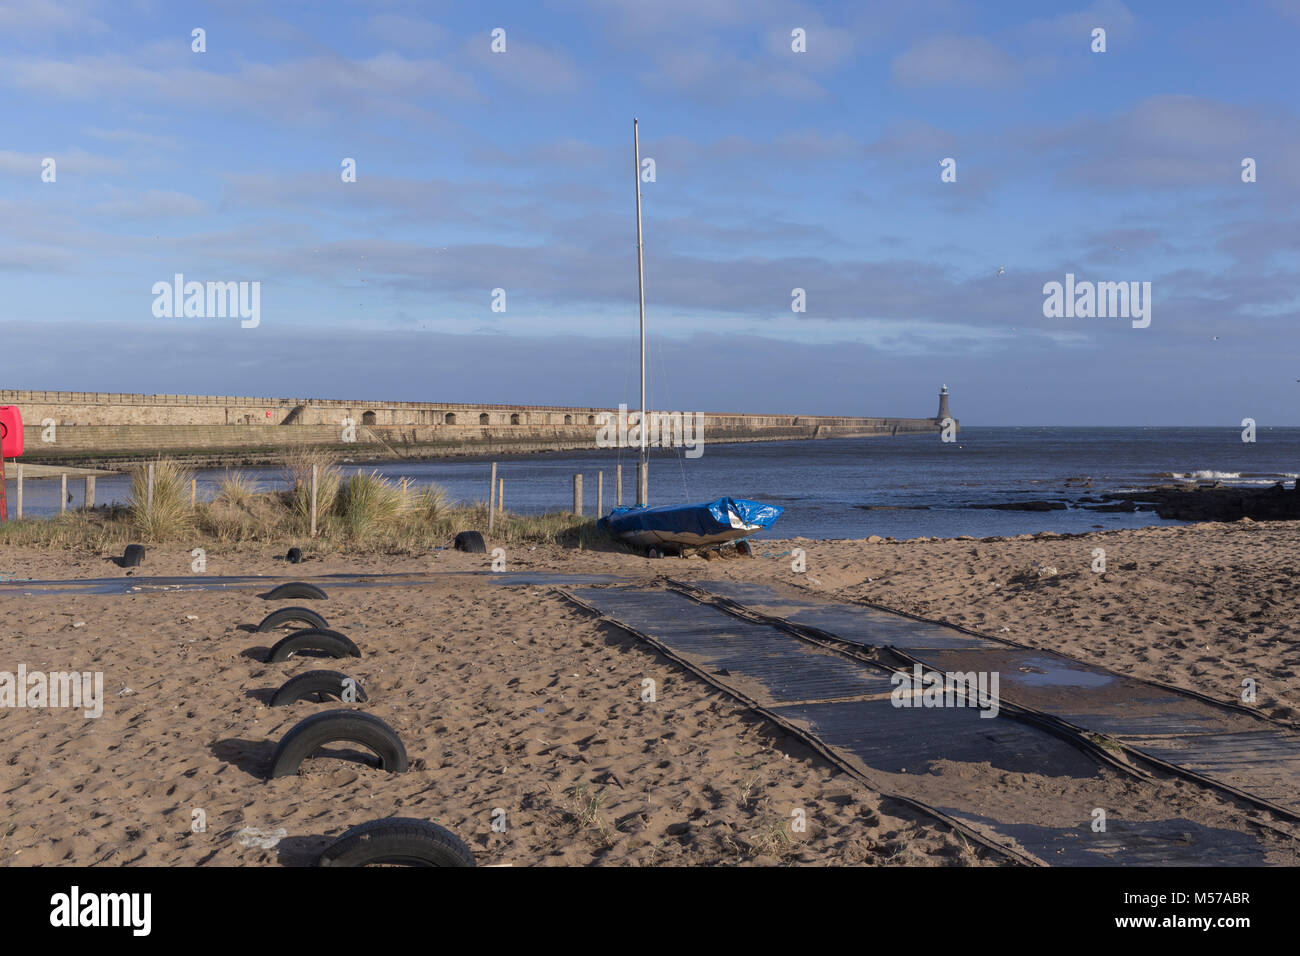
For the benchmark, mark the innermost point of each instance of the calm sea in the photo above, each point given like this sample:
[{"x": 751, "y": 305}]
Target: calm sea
[{"x": 903, "y": 487}]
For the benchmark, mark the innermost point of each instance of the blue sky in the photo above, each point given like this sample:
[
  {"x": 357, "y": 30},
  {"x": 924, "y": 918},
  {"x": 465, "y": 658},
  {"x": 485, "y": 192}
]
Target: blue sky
[{"x": 775, "y": 170}]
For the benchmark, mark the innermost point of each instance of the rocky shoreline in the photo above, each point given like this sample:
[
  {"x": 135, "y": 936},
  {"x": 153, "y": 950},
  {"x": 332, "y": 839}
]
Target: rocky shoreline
[
  {"x": 1201, "y": 502},
  {"x": 1216, "y": 502}
]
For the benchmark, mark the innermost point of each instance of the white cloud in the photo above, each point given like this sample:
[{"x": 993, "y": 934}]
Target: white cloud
[
  {"x": 524, "y": 65},
  {"x": 1076, "y": 28},
  {"x": 407, "y": 33},
  {"x": 66, "y": 161},
  {"x": 955, "y": 61},
  {"x": 152, "y": 204},
  {"x": 26, "y": 18},
  {"x": 314, "y": 88},
  {"x": 133, "y": 137},
  {"x": 717, "y": 76}
]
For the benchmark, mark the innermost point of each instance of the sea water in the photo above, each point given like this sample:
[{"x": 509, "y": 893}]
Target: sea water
[{"x": 903, "y": 487}]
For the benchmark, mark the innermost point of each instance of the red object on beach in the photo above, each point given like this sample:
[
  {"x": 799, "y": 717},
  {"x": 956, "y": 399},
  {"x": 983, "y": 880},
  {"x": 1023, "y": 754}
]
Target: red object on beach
[
  {"x": 11, "y": 431},
  {"x": 11, "y": 437}
]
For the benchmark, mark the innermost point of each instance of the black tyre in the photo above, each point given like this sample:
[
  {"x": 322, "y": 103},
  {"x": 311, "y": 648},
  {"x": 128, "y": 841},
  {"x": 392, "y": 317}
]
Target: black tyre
[
  {"x": 285, "y": 615},
  {"x": 295, "y": 589},
  {"x": 399, "y": 841},
  {"x": 321, "y": 639},
  {"x": 318, "y": 687},
  {"x": 471, "y": 541},
  {"x": 133, "y": 556},
  {"x": 334, "y": 726},
  {"x": 294, "y": 556}
]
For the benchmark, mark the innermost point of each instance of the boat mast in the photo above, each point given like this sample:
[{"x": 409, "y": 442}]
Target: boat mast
[{"x": 643, "y": 464}]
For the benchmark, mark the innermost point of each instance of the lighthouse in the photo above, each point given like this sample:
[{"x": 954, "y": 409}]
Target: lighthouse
[{"x": 943, "y": 405}]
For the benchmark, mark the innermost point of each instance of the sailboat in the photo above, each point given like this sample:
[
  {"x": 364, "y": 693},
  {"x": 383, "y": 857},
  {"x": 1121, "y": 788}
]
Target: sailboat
[{"x": 702, "y": 525}]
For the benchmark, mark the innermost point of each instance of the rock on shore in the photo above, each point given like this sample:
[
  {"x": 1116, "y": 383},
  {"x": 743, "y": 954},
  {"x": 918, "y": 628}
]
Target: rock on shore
[{"x": 1215, "y": 502}]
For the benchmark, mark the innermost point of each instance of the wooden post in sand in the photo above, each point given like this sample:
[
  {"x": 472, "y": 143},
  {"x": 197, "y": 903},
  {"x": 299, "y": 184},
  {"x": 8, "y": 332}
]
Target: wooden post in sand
[
  {"x": 63, "y": 493},
  {"x": 148, "y": 493},
  {"x": 18, "y": 497},
  {"x": 600, "y": 493},
  {"x": 194, "y": 492},
  {"x": 618, "y": 485},
  {"x": 577, "y": 494},
  {"x": 315, "y": 478},
  {"x": 492, "y": 499},
  {"x": 501, "y": 497},
  {"x": 88, "y": 499}
]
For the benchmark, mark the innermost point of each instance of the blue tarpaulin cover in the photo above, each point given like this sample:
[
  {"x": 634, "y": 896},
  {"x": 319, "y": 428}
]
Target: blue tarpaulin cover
[{"x": 704, "y": 519}]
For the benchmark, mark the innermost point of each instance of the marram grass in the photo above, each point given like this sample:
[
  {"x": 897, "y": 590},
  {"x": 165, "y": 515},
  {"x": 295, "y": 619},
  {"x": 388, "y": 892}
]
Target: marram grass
[
  {"x": 356, "y": 513},
  {"x": 167, "y": 515}
]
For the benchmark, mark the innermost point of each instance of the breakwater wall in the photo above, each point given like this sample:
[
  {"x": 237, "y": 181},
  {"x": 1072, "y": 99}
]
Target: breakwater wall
[{"x": 107, "y": 428}]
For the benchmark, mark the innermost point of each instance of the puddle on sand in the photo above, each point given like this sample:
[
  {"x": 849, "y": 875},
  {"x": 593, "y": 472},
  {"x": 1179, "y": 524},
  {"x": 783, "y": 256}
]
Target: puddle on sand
[{"x": 1043, "y": 672}]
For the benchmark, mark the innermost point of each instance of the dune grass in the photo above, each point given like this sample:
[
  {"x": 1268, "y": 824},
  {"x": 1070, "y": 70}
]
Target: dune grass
[
  {"x": 238, "y": 514},
  {"x": 356, "y": 513},
  {"x": 368, "y": 503},
  {"x": 100, "y": 530},
  {"x": 236, "y": 489},
  {"x": 167, "y": 515},
  {"x": 297, "y": 466},
  {"x": 429, "y": 503}
]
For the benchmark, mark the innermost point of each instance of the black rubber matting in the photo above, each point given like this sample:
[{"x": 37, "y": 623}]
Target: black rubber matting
[
  {"x": 950, "y": 758},
  {"x": 1221, "y": 744}
]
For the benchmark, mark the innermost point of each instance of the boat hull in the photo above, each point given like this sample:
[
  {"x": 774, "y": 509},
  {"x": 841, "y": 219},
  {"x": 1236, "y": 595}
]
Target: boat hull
[
  {"x": 703, "y": 525},
  {"x": 648, "y": 539}
]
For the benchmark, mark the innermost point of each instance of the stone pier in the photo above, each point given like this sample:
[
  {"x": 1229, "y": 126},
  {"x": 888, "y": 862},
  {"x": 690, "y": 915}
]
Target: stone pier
[{"x": 112, "y": 428}]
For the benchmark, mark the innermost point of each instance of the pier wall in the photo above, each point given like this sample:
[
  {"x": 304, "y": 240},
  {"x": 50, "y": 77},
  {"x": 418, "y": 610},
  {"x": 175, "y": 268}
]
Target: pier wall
[{"x": 107, "y": 427}]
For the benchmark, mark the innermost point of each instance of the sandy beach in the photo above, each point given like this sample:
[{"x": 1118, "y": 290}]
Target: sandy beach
[
  {"x": 512, "y": 698},
  {"x": 504, "y": 698}
]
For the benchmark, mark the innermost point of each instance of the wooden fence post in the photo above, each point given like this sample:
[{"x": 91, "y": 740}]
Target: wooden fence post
[
  {"x": 194, "y": 492},
  {"x": 19, "y": 502},
  {"x": 618, "y": 485},
  {"x": 577, "y": 494},
  {"x": 63, "y": 493},
  {"x": 501, "y": 496},
  {"x": 492, "y": 499},
  {"x": 315, "y": 478},
  {"x": 600, "y": 493},
  {"x": 148, "y": 495},
  {"x": 89, "y": 497}
]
